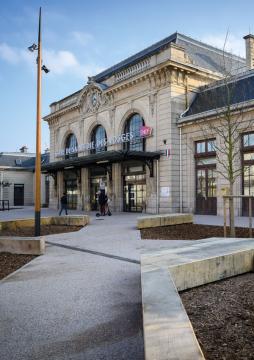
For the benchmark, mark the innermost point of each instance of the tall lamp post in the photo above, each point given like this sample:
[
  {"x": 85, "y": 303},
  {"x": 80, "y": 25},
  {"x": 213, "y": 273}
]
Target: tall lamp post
[{"x": 40, "y": 67}]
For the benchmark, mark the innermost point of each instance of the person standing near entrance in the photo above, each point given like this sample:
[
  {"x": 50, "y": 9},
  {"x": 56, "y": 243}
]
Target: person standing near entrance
[
  {"x": 102, "y": 202},
  {"x": 64, "y": 203}
]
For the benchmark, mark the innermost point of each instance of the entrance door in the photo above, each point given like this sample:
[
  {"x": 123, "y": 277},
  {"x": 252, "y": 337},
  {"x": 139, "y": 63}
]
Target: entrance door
[
  {"x": 94, "y": 191},
  {"x": 134, "y": 193},
  {"x": 206, "y": 200},
  {"x": 97, "y": 174},
  {"x": 72, "y": 193},
  {"x": 248, "y": 188},
  {"x": 18, "y": 194}
]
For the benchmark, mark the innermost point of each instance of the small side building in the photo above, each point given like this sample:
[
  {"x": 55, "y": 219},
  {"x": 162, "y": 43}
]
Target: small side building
[{"x": 17, "y": 178}]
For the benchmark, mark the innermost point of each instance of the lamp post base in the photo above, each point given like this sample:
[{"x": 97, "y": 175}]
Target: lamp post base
[{"x": 37, "y": 227}]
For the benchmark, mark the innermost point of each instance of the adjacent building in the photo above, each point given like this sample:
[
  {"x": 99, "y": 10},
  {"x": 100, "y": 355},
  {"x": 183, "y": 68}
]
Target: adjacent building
[
  {"x": 17, "y": 178},
  {"x": 133, "y": 126}
]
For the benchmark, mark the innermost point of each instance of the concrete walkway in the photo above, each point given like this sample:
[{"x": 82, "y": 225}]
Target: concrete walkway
[{"x": 82, "y": 300}]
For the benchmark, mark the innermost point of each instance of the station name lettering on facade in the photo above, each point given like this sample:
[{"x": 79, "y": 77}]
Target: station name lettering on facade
[{"x": 145, "y": 131}]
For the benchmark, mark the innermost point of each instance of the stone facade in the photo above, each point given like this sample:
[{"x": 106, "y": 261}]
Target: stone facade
[{"x": 159, "y": 87}]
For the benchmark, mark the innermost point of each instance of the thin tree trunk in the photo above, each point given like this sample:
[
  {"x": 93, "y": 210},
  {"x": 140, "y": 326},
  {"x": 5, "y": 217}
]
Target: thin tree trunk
[{"x": 231, "y": 212}]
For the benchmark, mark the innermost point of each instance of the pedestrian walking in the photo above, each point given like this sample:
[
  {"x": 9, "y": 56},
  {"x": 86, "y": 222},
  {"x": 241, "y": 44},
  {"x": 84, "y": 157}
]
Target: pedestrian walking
[{"x": 64, "y": 203}]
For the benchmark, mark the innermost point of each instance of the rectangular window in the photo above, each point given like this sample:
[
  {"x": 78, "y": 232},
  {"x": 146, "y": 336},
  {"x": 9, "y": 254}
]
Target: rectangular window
[
  {"x": 248, "y": 140},
  {"x": 200, "y": 146},
  {"x": 211, "y": 145},
  {"x": 205, "y": 146}
]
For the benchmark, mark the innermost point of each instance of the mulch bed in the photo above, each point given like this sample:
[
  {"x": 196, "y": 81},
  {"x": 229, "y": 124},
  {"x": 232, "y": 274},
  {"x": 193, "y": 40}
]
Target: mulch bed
[
  {"x": 45, "y": 230},
  {"x": 222, "y": 315},
  {"x": 12, "y": 262},
  {"x": 189, "y": 232}
]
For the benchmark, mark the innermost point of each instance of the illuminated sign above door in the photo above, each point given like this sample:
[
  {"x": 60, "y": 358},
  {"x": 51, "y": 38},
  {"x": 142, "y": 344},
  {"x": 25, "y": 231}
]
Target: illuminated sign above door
[{"x": 145, "y": 131}]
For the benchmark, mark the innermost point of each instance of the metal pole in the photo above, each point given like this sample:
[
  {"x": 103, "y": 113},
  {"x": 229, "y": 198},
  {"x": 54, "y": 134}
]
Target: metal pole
[
  {"x": 250, "y": 217},
  {"x": 181, "y": 175},
  {"x": 2, "y": 186},
  {"x": 37, "y": 229},
  {"x": 225, "y": 216}
]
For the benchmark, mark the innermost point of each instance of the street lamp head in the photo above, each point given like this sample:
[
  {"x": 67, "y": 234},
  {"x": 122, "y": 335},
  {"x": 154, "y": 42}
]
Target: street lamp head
[
  {"x": 44, "y": 68},
  {"x": 33, "y": 47}
]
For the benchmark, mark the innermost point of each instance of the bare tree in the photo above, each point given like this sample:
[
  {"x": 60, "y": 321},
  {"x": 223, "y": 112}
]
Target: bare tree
[{"x": 226, "y": 104}]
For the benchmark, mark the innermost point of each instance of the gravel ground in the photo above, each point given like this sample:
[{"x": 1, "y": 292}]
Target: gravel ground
[
  {"x": 222, "y": 315},
  {"x": 12, "y": 262},
  {"x": 189, "y": 232}
]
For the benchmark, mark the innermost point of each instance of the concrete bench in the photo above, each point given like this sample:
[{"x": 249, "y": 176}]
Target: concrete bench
[
  {"x": 163, "y": 220},
  {"x": 168, "y": 333},
  {"x": 78, "y": 220},
  {"x": 22, "y": 245},
  {"x": 34, "y": 245}
]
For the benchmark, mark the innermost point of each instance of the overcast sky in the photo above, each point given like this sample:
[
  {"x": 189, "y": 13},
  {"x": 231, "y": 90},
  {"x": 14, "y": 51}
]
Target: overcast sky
[{"x": 81, "y": 38}]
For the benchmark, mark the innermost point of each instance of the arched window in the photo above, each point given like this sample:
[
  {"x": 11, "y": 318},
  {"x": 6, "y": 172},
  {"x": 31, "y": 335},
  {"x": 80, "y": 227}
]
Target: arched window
[
  {"x": 133, "y": 126},
  {"x": 71, "y": 147},
  {"x": 99, "y": 139}
]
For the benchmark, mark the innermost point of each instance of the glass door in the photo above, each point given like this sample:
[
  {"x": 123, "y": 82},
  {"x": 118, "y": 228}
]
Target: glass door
[
  {"x": 72, "y": 193},
  {"x": 94, "y": 191},
  {"x": 134, "y": 193},
  {"x": 206, "y": 200}
]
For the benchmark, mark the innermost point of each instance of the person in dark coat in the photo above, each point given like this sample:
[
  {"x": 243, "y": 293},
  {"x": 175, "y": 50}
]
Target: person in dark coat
[
  {"x": 102, "y": 202},
  {"x": 64, "y": 203}
]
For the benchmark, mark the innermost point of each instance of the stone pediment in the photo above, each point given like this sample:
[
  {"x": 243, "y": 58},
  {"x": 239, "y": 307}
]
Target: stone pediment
[{"x": 93, "y": 97}]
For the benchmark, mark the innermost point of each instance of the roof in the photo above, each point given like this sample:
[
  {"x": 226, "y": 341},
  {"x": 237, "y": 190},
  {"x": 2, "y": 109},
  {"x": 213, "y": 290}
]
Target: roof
[
  {"x": 105, "y": 157},
  {"x": 203, "y": 55},
  {"x": 222, "y": 93},
  {"x": 21, "y": 161}
]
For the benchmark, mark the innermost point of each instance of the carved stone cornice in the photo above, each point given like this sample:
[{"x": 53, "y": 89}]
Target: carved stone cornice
[{"x": 95, "y": 97}]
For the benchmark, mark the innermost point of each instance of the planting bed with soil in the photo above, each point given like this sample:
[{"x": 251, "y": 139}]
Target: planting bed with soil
[
  {"x": 45, "y": 230},
  {"x": 189, "y": 232},
  {"x": 222, "y": 315},
  {"x": 12, "y": 262}
]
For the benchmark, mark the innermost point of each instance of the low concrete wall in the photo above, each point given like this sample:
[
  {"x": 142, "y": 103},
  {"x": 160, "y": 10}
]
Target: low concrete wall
[
  {"x": 78, "y": 220},
  {"x": 168, "y": 333},
  {"x": 163, "y": 220},
  {"x": 34, "y": 245},
  {"x": 22, "y": 245}
]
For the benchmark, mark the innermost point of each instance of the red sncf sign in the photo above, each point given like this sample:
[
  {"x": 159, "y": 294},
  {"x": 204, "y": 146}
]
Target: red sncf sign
[{"x": 145, "y": 131}]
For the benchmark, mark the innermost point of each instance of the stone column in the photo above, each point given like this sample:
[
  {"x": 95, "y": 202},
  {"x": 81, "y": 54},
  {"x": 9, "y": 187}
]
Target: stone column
[
  {"x": 151, "y": 189},
  {"x": 60, "y": 187},
  {"x": 79, "y": 192},
  {"x": 117, "y": 193},
  {"x": 85, "y": 189}
]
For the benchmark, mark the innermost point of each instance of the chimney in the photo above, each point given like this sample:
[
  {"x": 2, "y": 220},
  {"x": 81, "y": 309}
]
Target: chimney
[
  {"x": 249, "y": 46},
  {"x": 23, "y": 149}
]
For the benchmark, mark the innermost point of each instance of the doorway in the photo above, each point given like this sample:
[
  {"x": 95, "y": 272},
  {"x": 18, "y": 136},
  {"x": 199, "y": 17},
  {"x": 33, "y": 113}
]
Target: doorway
[
  {"x": 134, "y": 193},
  {"x": 206, "y": 200},
  {"x": 18, "y": 194},
  {"x": 96, "y": 175},
  {"x": 71, "y": 188}
]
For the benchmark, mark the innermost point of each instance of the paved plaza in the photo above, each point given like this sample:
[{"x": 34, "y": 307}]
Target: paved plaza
[{"x": 82, "y": 299}]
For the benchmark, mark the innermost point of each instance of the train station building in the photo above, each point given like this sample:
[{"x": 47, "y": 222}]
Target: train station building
[{"x": 132, "y": 126}]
